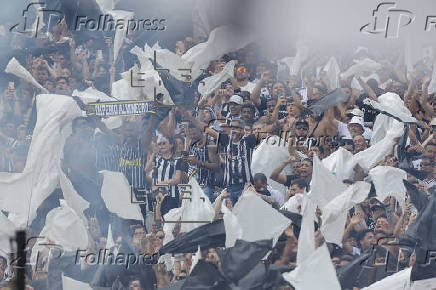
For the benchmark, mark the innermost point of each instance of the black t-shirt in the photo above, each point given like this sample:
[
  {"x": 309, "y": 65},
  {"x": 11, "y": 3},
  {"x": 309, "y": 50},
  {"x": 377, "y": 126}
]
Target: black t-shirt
[{"x": 369, "y": 114}]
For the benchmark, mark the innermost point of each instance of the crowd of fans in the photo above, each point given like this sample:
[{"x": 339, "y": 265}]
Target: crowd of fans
[{"x": 213, "y": 142}]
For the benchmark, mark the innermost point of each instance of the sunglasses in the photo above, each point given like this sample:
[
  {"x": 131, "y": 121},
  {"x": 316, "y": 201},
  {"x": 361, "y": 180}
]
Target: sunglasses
[
  {"x": 162, "y": 143},
  {"x": 302, "y": 128},
  {"x": 241, "y": 69},
  {"x": 179, "y": 278},
  {"x": 160, "y": 237}
]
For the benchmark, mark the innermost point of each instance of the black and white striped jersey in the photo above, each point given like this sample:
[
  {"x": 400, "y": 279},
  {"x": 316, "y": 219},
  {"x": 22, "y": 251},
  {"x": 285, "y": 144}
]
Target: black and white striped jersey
[
  {"x": 238, "y": 155},
  {"x": 165, "y": 169},
  {"x": 128, "y": 159}
]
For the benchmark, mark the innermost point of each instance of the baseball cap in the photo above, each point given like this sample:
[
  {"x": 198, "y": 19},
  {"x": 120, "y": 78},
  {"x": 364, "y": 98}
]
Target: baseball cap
[
  {"x": 357, "y": 112},
  {"x": 357, "y": 120},
  {"x": 236, "y": 99}
]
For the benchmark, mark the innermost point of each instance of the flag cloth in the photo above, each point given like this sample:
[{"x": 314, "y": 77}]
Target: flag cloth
[
  {"x": 334, "y": 214},
  {"x": 272, "y": 150},
  {"x": 239, "y": 260},
  {"x": 206, "y": 236},
  {"x": 266, "y": 224},
  {"x": 332, "y": 99},
  {"x": 117, "y": 195},
  {"x": 365, "y": 65},
  {"x": 325, "y": 186},
  {"x": 318, "y": 264},
  {"x": 15, "y": 68},
  {"x": 24, "y": 192},
  {"x": 71, "y": 284},
  {"x": 388, "y": 181},
  {"x": 209, "y": 84}
]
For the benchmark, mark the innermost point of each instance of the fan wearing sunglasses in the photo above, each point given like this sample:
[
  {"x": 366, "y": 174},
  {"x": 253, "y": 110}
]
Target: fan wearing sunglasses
[
  {"x": 167, "y": 169},
  {"x": 241, "y": 80}
]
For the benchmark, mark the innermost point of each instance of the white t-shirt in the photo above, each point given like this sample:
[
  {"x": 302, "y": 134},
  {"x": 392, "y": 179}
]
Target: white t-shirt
[{"x": 249, "y": 87}]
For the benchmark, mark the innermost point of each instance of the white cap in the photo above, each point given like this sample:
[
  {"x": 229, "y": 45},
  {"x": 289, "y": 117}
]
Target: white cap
[
  {"x": 236, "y": 99},
  {"x": 356, "y": 120},
  {"x": 357, "y": 112},
  {"x": 433, "y": 122}
]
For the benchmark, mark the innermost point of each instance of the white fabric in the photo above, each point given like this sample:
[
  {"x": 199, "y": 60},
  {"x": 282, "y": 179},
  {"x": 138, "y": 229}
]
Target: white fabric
[
  {"x": 325, "y": 186},
  {"x": 377, "y": 152},
  {"x": 64, "y": 228},
  {"x": 120, "y": 33},
  {"x": 334, "y": 214},
  {"x": 7, "y": 230},
  {"x": 71, "y": 284},
  {"x": 117, "y": 196},
  {"x": 356, "y": 85},
  {"x": 300, "y": 57},
  {"x": 173, "y": 215},
  {"x": 169, "y": 60},
  {"x": 293, "y": 203},
  {"x": 432, "y": 84},
  {"x": 397, "y": 281},
  {"x": 23, "y": 193},
  {"x": 306, "y": 239},
  {"x": 195, "y": 258},
  {"x": 270, "y": 152},
  {"x": 72, "y": 198},
  {"x": 424, "y": 284},
  {"x": 390, "y": 110},
  {"x": 267, "y": 223},
  {"x": 198, "y": 208},
  {"x": 209, "y": 84},
  {"x": 110, "y": 239},
  {"x": 15, "y": 68},
  {"x": 231, "y": 225},
  {"x": 222, "y": 40},
  {"x": 381, "y": 125},
  {"x": 338, "y": 163},
  {"x": 332, "y": 69},
  {"x": 388, "y": 181},
  {"x": 365, "y": 65},
  {"x": 316, "y": 272},
  {"x": 278, "y": 196},
  {"x": 91, "y": 95}
]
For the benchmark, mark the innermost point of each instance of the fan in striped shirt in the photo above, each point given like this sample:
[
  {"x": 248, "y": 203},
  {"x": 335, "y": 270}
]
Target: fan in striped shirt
[
  {"x": 238, "y": 151},
  {"x": 202, "y": 162},
  {"x": 164, "y": 168}
]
